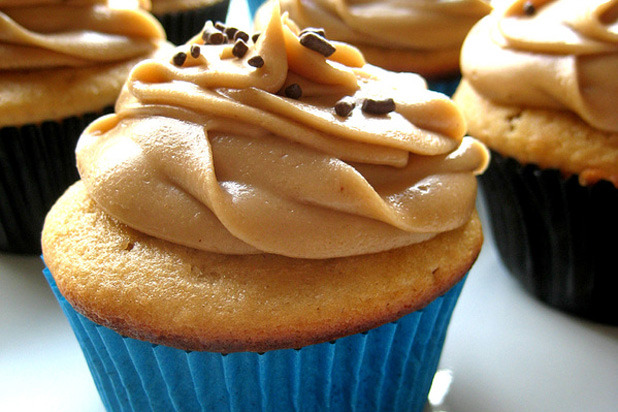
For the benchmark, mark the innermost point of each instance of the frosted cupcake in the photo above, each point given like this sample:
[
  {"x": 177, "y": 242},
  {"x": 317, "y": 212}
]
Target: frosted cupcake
[
  {"x": 62, "y": 64},
  {"x": 182, "y": 19},
  {"x": 539, "y": 89},
  {"x": 424, "y": 37},
  {"x": 267, "y": 225}
]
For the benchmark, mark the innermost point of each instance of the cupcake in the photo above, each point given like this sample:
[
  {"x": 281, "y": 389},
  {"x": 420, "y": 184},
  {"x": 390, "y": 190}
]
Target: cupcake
[
  {"x": 267, "y": 225},
  {"x": 539, "y": 89},
  {"x": 424, "y": 37},
  {"x": 182, "y": 19},
  {"x": 63, "y": 65}
]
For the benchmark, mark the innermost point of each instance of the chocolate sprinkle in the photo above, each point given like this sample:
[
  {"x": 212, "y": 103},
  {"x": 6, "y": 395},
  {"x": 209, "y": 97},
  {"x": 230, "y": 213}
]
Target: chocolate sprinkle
[
  {"x": 217, "y": 38},
  {"x": 529, "y": 9},
  {"x": 213, "y": 36},
  {"x": 344, "y": 106},
  {"x": 179, "y": 58},
  {"x": 240, "y": 49},
  {"x": 220, "y": 26},
  {"x": 255, "y": 36},
  {"x": 241, "y": 35},
  {"x": 317, "y": 30},
  {"x": 316, "y": 43},
  {"x": 383, "y": 106},
  {"x": 230, "y": 31},
  {"x": 293, "y": 91},
  {"x": 195, "y": 51},
  {"x": 256, "y": 61}
]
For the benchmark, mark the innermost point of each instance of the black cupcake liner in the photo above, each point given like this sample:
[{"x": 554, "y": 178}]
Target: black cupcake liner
[
  {"x": 37, "y": 164},
  {"x": 180, "y": 26},
  {"x": 557, "y": 237}
]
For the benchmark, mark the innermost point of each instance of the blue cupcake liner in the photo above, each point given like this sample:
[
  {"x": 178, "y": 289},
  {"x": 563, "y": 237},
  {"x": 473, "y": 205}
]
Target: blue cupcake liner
[
  {"x": 446, "y": 86},
  {"x": 389, "y": 368},
  {"x": 253, "y": 6}
]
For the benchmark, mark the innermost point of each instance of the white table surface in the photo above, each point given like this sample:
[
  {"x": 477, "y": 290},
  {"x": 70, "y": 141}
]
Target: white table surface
[{"x": 505, "y": 352}]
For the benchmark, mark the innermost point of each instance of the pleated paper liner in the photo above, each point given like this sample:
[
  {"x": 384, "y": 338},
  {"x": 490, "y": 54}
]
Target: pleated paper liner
[
  {"x": 446, "y": 85},
  {"x": 253, "y": 6},
  {"x": 180, "y": 26},
  {"x": 558, "y": 238},
  {"x": 389, "y": 368},
  {"x": 37, "y": 164}
]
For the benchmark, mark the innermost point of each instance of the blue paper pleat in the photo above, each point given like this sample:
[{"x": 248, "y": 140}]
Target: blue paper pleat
[
  {"x": 253, "y": 6},
  {"x": 446, "y": 86},
  {"x": 389, "y": 368}
]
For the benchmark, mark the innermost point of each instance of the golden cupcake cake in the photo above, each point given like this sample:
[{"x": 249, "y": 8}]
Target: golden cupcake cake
[
  {"x": 424, "y": 37},
  {"x": 269, "y": 216},
  {"x": 63, "y": 64},
  {"x": 538, "y": 88}
]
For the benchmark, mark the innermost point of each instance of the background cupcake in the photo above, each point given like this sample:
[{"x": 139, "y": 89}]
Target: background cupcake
[
  {"x": 415, "y": 36},
  {"x": 343, "y": 200},
  {"x": 62, "y": 65},
  {"x": 539, "y": 89},
  {"x": 183, "y": 19}
]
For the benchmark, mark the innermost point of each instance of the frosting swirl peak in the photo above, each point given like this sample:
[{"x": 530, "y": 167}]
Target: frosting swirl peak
[
  {"x": 562, "y": 54},
  {"x": 213, "y": 152},
  {"x": 419, "y": 29},
  {"x": 74, "y": 33}
]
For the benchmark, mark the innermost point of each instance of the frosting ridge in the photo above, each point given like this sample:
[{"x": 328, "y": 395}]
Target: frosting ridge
[
  {"x": 419, "y": 29},
  {"x": 394, "y": 23},
  {"x": 211, "y": 152},
  {"x": 168, "y": 6},
  {"x": 562, "y": 56},
  {"x": 74, "y": 33}
]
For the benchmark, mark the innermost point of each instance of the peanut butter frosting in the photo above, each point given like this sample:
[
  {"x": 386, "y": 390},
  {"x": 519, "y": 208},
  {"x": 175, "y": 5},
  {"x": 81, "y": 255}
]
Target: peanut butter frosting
[
  {"x": 438, "y": 26},
  {"x": 167, "y": 6},
  {"x": 73, "y": 33},
  {"x": 284, "y": 145},
  {"x": 549, "y": 54}
]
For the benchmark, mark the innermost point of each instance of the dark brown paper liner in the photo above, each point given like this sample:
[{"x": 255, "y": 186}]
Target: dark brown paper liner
[
  {"x": 557, "y": 237},
  {"x": 180, "y": 26},
  {"x": 37, "y": 164}
]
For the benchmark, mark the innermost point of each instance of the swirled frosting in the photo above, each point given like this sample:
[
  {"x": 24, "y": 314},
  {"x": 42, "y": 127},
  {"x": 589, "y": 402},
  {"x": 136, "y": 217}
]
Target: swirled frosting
[
  {"x": 562, "y": 54},
  {"x": 412, "y": 25},
  {"x": 206, "y": 150},
  {"x": 73, "y": 33}
]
